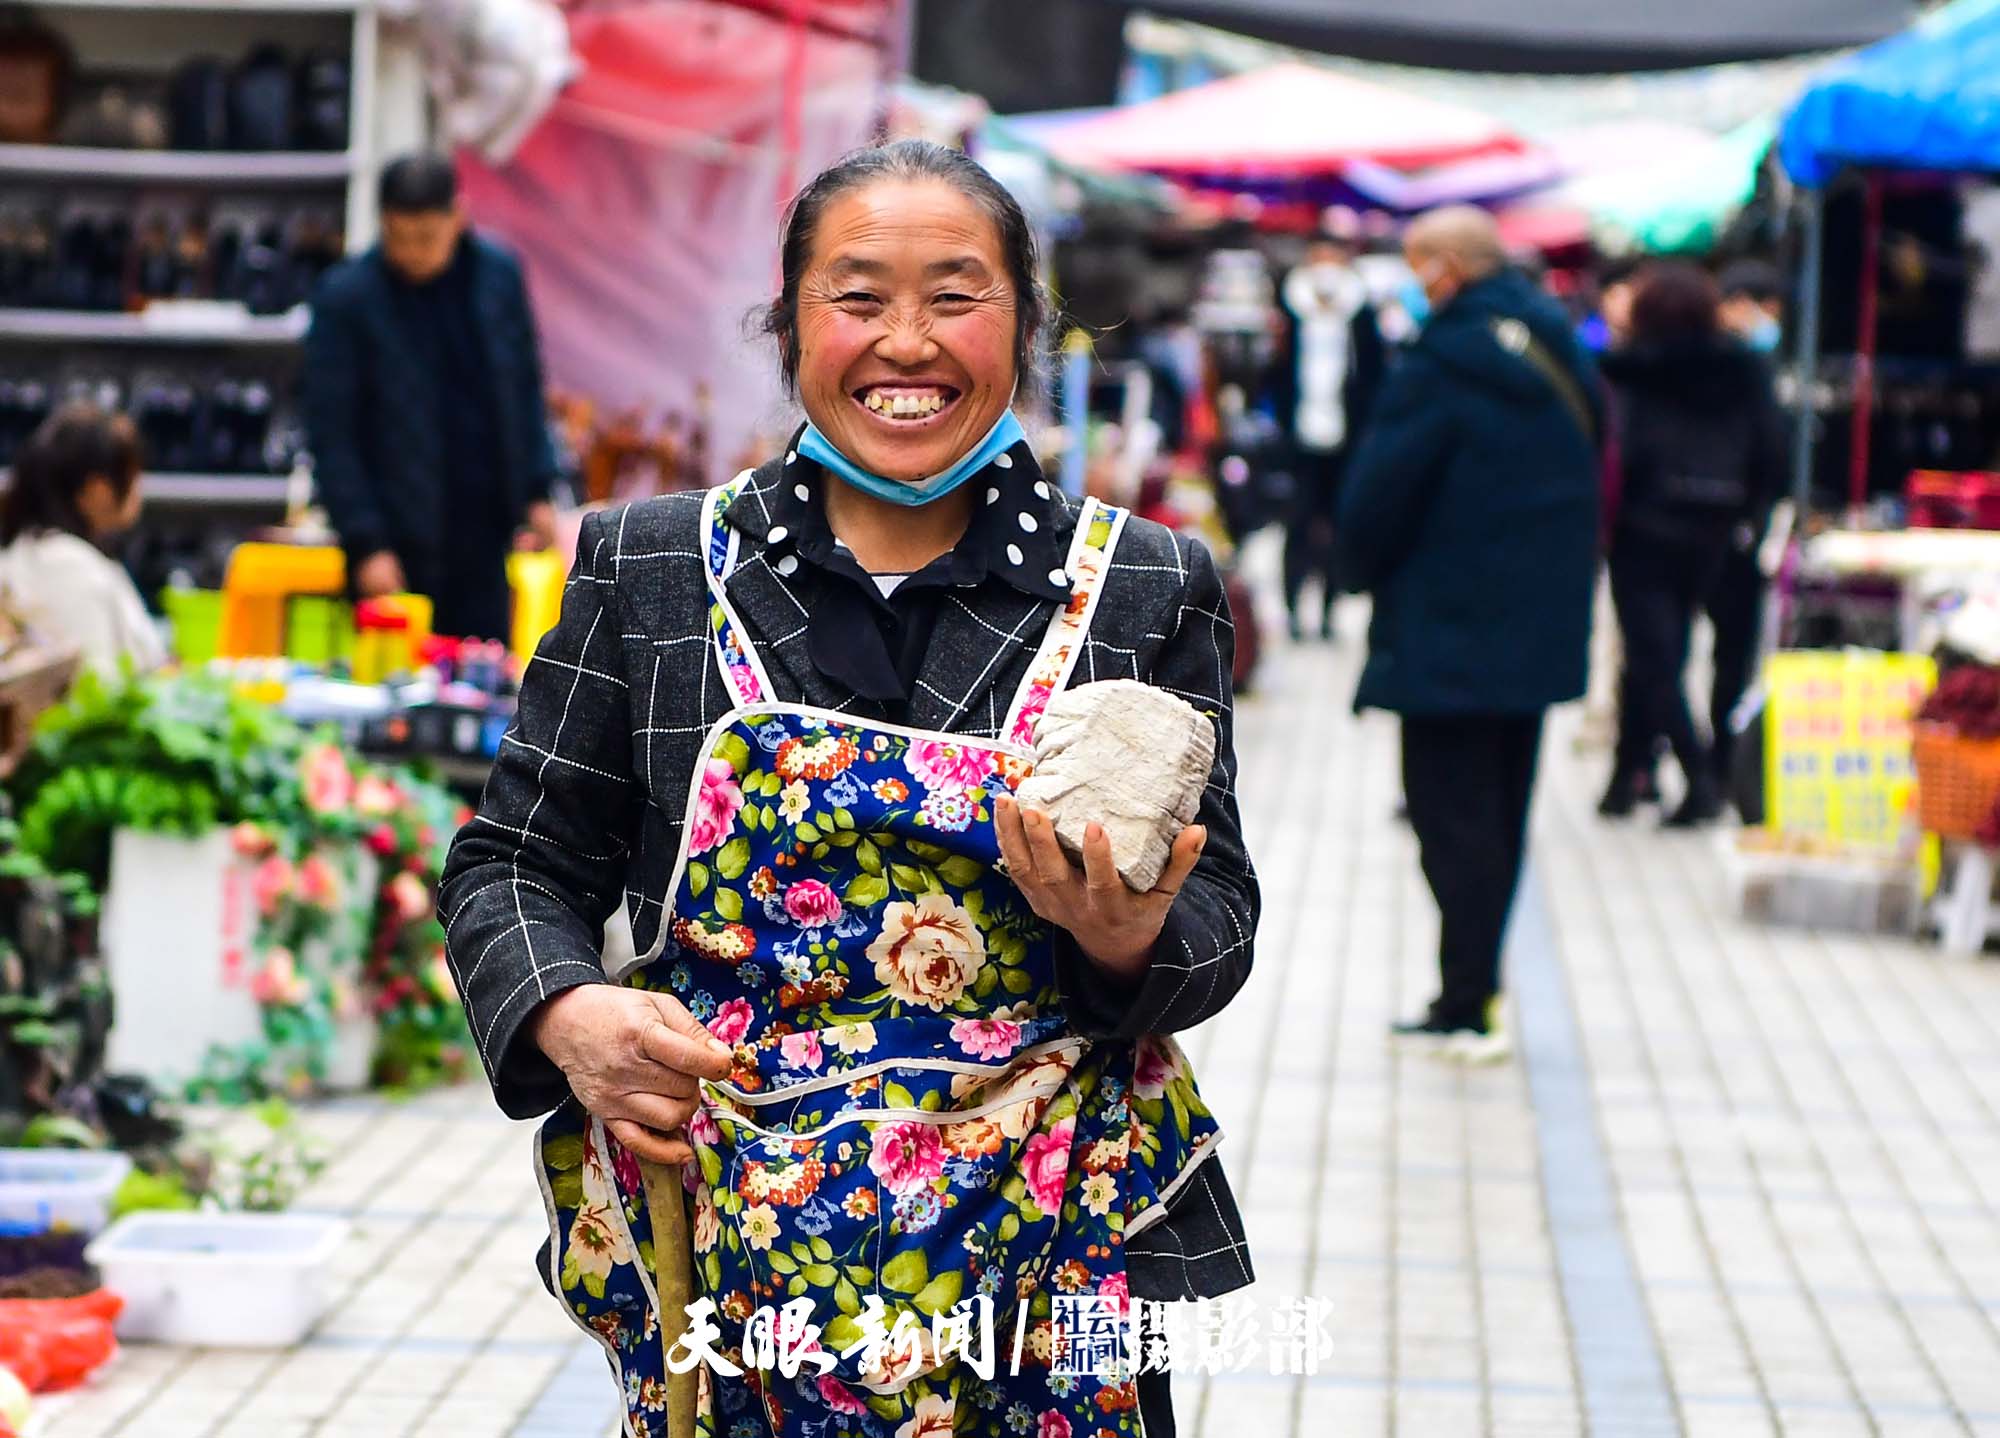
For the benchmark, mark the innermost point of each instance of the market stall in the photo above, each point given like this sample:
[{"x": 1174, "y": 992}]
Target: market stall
[
  {"x": 1290, "y": 131},
  {"x": 1892, "y": 148}
]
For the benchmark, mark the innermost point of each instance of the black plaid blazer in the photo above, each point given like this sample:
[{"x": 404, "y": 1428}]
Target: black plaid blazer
[{"x": 588, "y": 791}]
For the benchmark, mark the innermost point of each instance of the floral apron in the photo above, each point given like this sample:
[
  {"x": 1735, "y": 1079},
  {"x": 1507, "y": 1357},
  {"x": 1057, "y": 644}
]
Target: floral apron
[{"x": 909, "y": 1118}]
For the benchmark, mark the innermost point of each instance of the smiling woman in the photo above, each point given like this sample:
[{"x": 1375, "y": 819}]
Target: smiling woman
[{"x": 909, "y": 1051}]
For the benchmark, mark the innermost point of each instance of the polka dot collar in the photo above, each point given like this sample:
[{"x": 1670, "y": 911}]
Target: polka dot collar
[{"x": 1019, "y": 533}]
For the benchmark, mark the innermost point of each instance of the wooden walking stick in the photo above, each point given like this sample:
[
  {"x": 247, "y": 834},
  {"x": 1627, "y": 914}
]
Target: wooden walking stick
[{"x": 673, "y": 1264}]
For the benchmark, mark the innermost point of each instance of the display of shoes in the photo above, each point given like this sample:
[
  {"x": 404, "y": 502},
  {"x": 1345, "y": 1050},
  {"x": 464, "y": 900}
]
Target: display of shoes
[
  {"x": 89, "y": 259},
  {"x": 203, "y": 424}
]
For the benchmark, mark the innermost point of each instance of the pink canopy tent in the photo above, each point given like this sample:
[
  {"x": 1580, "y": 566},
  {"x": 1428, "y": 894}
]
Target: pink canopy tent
[
  {"x": 645, "y": 205},
  {"x": 1285, "y": 122}
]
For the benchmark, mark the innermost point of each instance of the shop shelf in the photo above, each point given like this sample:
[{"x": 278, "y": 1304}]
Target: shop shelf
[
  {"x": 217, "y": 324},
  {"x": 216, "y": 489},
  {"x": 186, "y": 167}
]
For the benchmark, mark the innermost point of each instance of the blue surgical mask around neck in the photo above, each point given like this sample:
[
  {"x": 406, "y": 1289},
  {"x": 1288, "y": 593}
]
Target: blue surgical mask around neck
[{"x": 1005, "y": 434}]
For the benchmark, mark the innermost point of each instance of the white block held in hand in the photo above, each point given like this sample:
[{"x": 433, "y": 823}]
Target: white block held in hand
[{"x": 1128, "y": 756}]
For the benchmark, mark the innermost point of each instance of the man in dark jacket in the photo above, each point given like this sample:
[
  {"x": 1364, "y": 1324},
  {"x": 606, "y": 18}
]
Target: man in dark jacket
[
  {"x": 1470, "y": 513},
  {"x": 424, "y": 407}
]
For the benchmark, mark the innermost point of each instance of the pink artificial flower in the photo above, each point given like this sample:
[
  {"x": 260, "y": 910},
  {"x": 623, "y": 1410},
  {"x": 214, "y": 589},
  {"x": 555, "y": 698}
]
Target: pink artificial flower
[
  {"x": 250, "y": 841},
  {"x": 344, "y": 999},
  {"x": 272, "y": 884},
  {"x": 1047, "y": 1164},
  {"x": 907, "y": 1156},
  {"x": 319, "y": 885},
  {"x": 986, "y": 1038},
  {"x": 838, "y": 1396},
  {"x": 277, "y": 981},
  {"x": 328, "y": 782},
  {"x": 715, "y": 808},
  {"x": 382, "y": 841},
  {"x": 801, "y": 1051},
  {"x": 731, "y": 1021},
  {"x": 1052, "y": 1425},
  {"x": 946, "y": 768},
  {"x": 410, "y": 896},
  {"x": 376, "y": 796},
  {"x": 812, "y": 904}
]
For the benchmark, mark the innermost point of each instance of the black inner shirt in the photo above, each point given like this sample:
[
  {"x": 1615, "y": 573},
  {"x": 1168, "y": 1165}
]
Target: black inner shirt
[{"x": 876, "y": 644}]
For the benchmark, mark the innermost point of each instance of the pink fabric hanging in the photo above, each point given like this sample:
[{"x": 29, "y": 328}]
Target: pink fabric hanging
[{"x": 646, "y": 204}]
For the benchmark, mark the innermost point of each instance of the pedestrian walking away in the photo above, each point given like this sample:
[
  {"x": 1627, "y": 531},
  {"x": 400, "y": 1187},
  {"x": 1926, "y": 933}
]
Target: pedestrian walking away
[
  {"x": 905, "y": 1051},
  {"x": 1470, "y": 514},
  {"x": 1703, "y": 461}
]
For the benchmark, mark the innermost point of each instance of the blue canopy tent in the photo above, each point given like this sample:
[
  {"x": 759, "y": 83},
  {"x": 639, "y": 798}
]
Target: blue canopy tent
[{"x": 1926, "y": 100}]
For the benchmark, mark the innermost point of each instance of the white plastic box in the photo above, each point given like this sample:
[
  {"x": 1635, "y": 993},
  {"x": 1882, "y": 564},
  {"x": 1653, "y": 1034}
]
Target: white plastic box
[
  {"x": 50, "y": 1188},
  {"x": 219, "y": 1280},
  {"x": 1838, "y": 892}
]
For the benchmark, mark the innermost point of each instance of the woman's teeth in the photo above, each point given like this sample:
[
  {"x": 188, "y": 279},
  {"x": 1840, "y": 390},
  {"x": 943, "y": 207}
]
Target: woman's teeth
[{"x": 904, "y": 406}]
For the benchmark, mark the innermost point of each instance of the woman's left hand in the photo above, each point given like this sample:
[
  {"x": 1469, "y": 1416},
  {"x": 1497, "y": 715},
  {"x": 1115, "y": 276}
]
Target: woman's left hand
[{"x": 1113, "y": 925}]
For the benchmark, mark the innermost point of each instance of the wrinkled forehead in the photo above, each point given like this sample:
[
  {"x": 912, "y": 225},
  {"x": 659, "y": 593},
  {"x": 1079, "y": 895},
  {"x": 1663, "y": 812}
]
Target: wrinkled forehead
[{"x": 917, "y": 227}]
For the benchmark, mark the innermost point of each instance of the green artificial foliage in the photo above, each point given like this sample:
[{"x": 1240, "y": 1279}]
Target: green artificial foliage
[{"x": 185, "y": 754}]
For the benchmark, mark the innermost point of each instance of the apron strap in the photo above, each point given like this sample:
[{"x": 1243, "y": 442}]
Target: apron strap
[
  {"x": 742, "y": 668},
  {"x": 1097, "y": 531}
]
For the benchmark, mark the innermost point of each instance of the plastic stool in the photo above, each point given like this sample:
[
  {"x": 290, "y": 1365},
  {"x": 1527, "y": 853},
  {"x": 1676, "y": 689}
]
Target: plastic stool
[{"x": 260, "y": 580}]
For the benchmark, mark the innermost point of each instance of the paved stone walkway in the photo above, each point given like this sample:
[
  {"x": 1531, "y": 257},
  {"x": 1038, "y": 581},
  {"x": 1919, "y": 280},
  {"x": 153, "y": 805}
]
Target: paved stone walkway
[{"x": 1738, "y": 1181}]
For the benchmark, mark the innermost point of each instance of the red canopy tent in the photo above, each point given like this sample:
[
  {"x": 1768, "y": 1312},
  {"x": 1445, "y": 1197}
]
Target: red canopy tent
[{"x": 1285, "y": 122}]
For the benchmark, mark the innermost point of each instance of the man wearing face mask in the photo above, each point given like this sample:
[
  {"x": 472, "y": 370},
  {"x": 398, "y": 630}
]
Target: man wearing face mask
[
  {"x": 1470, "y": 513},
  {"x": 424, "y": 408},
  {"x": 1753, "y": 304},
  {"x": 1333, "y": 366}
]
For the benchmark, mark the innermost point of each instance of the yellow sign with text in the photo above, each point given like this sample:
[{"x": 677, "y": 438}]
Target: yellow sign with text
[{"x": 1837, "y": 766}]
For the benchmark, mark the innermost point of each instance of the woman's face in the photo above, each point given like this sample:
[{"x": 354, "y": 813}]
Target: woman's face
[{"x": 905, "y": 327}]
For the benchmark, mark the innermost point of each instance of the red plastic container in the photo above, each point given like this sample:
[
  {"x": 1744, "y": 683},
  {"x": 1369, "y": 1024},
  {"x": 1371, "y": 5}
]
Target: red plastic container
[{"x": 1953, "y": 499}]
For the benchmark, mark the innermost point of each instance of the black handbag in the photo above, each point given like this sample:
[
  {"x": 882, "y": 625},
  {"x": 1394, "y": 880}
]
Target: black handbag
[
  {"x": 323, "y": 90},
  {"x": 262, "y": 93},
  {"x": 198, "y": 106}
]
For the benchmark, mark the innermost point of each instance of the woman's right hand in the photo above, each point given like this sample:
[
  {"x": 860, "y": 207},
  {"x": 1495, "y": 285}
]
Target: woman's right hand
[{"x": 632, "y": 1058}]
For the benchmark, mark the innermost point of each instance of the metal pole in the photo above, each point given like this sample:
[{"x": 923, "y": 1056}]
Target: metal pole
[
  {"x": 1864, "y": 345},
  {"x": 1076, "y": 410},
  {"x": 1806, "y": 353}
]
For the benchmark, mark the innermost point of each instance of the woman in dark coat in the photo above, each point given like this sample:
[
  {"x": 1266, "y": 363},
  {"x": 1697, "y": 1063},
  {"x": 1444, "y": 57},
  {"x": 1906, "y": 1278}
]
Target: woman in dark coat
[
  {"x": 1702, "y": 454},
  {"x": 781, "y": 723}
]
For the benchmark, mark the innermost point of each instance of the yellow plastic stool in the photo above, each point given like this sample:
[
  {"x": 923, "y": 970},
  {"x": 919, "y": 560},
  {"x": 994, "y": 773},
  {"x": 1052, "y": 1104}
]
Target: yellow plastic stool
[
  {"x": 260, "y": 579},
  {"x": 536, "y": 577},
  {"x": 263, "y": 579}
]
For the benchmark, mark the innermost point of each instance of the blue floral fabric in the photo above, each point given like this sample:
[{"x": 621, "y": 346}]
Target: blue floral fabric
[{"x": 909, "y": 1119}]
